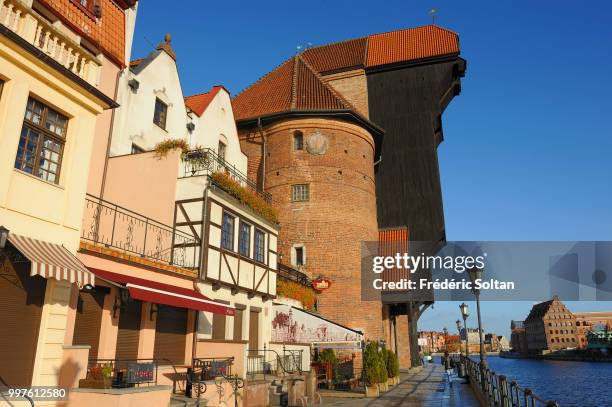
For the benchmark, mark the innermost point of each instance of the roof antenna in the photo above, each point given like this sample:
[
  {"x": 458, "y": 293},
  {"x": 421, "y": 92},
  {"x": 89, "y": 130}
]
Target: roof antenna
[
  {"x": 300, "y": 47},
  {"x": 150, "y": 43},
  {"x": 434, "y": 14}
]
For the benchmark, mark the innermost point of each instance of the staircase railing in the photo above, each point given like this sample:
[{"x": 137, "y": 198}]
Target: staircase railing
[
  {"x": 217, "y": 369},
  {"x": 269, "y": 362}
]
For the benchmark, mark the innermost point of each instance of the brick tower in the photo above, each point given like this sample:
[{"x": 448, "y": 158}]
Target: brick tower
[{"x": 316, "y": 157}]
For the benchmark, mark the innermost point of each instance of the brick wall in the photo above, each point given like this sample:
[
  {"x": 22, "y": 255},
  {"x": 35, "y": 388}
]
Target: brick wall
[
  {"x": 353, "y": 86},
  {"x": 340, "y": 214}
]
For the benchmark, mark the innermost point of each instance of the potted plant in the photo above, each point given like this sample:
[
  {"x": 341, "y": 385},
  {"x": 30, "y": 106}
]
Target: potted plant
[
  {"x": 371, "y": 369},
  {"x": 383, "y": 376},
  {"x": 392, "y": 368},
  {"x": 98, "y": 377},
  {"x": 327, "y": 359}
]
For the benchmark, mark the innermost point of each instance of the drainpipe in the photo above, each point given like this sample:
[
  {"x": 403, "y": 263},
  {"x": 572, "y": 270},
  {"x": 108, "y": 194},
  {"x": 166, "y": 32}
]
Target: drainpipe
[{"x": 265, "y": 153}]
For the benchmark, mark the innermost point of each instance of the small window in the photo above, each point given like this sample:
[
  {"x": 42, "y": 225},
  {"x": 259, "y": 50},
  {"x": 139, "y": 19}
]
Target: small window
[
  {"x": 221, "y": 150},
  {"x": 161, "y": 113},
  {"x": 42, "y": 140},
  {"x": 227, "y": 233},
  {"x": 136, "y": 149},
  {"x": 260, "y": 240},
  {"x": 300, "y": 192},
  {"x": 244, "y": 239},
  {"x": 298, "y": 140},
  {"x": 299, "y": 256}
]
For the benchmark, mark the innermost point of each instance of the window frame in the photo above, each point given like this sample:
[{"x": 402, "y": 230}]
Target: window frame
[
  {"x": 224, "y": 240},
  {"x": 221, "y": 156},
  {"x": 301, "y": 250},
  {"x": 259, "y": 255},
  {"x": 43, "y": 135},
  {"x": 165, "y": 114},
  {"x": 242, "y": 223},
  {"x": 298, "y": 140},
  {"x": 87, "y": 9},
  {"x": 300, "y": 197}
]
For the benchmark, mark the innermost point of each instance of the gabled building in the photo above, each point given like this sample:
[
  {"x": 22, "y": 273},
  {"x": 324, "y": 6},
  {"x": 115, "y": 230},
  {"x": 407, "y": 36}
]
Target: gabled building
[
  {"x": 550, "y": 326},
  {"x": 313, "y": 131},
  {"x": 58, "y": 66}
]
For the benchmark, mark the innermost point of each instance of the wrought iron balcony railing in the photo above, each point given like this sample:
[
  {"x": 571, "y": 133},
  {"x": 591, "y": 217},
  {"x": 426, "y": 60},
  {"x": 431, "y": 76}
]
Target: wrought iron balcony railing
[
  {"x": 291, "y": 274},
  {"x": 205, "y": 161},
  {"x": 117, "y": 227}
]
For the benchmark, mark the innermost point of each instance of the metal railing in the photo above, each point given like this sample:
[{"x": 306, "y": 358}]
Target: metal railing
[
  {"x": 291, "y": 274},
  {"x": 217, "y": 369},
  {"x": 498, "y": 391},
  {"x": 121, "y": 373},
  {"x": 269, "y": 362},
  {"x": 205, "y": 161},
  {"x": 117, "y": 227}
]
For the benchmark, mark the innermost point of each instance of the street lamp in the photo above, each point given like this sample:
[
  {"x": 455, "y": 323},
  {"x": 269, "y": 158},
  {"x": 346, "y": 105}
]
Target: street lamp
[
  {"x": 458, "y": 322},
  {"x": 4, "y": 232},
  {"x": 465, "y": 314},
  {"x": 476, "y": 275},
  {"x": 445, "y": 331}
]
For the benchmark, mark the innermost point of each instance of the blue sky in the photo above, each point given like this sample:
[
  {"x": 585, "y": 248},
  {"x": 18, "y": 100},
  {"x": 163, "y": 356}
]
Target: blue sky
[{"x": 527, "y": 144}]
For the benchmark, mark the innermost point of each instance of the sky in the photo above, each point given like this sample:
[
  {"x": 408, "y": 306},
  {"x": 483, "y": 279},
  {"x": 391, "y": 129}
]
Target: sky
[{"x": 527, "y": 144}]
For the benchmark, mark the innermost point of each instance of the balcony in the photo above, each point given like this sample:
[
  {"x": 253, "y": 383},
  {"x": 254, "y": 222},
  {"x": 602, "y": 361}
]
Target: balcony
[
  {"x": 205, "y": 162},
  {"x": 115, "y": 227},
  {"x": 290, "y": 274},
  {"x": 65, "y": 49}
]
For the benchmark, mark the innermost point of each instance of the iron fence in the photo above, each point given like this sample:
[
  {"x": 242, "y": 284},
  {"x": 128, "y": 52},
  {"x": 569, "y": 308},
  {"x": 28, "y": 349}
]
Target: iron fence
[
  {"x": 205, "y": 161},
  {"x": 498, "y": 390},
  {"x": 121, "y": 373},
  {"x": 269, "y": 362},
  {"x": 117, "y": 227},
  {"x": 291, "y": 274},
  {"x": 210, "y": 368}
]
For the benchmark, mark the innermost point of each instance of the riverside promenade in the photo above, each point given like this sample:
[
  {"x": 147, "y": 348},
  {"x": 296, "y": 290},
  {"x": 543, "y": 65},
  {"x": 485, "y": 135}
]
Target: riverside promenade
[{"x": 426, "y": 388}]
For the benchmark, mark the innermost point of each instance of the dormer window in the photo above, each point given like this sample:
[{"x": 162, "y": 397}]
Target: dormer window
[{"x": 161, "y": 113}]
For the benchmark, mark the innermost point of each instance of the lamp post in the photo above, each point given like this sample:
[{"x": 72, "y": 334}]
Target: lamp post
[
  {"x": 465, "y": 314},
  {"x": 458, "y": 322},
  {"x": 445, "y": 331},
  {"x": 476, "y": 275}
]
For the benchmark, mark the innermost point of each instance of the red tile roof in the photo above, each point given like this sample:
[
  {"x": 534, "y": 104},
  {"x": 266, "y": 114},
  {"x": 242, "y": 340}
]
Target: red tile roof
[
  {"x": 297, "y": 85},
  {"x": 293, "y": 86},
  {"x": 109, "y": 34},
  {"x": 410, "y": 44},
  {"x": 199, "y": 103}
]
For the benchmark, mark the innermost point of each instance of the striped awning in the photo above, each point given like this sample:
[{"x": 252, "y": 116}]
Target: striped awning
[{"x": 51, "y": 260}]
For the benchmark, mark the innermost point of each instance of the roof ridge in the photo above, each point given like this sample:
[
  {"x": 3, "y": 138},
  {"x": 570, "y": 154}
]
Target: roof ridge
[
  {"x": 411, "y": 28},
  {"x": 294, "y": 80},
  {"x": 335, "y": 43},
  {"x": 204, "y": 93},
  {"x": 336, "y": 94},
  {"x": 261, "y": 78}
]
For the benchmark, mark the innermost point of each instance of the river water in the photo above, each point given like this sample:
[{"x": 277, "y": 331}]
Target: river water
[{"x": 571, "y": 384}]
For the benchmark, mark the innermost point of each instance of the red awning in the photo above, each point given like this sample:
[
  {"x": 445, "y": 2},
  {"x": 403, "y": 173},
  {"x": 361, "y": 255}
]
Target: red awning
[{"x": 161, "y": 293}]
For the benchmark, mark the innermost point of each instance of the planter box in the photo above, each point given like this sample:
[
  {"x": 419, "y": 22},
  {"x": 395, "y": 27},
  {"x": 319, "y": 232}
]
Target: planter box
[
  {"x": 372, "y": 391},
  {"x": 391, "y": 382},
  {"x": 383, "y": 387},
  {"x": 102, "y": 383}
]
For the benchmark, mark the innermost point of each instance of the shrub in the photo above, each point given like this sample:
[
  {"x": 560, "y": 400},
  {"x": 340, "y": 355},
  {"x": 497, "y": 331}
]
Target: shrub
[
  {"x": 392, "y": 364},
  {"x": 328, "y": 356},
  {"x": 289, "y": 289},
  {"x": 371, "y": 358},
  {"x": 163, "y": 147},
  {"x": 382, "y": 366},
  {"x": 246, "y": 196}
]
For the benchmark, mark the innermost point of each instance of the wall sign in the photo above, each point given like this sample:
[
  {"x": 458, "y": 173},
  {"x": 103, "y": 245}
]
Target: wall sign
[{"x": 321, "y": 283}]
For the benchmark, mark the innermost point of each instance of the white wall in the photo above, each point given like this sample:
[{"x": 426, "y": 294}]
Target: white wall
[
  {"x": 134, "y": 117},
  {"x": 217, "y": 123}
]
